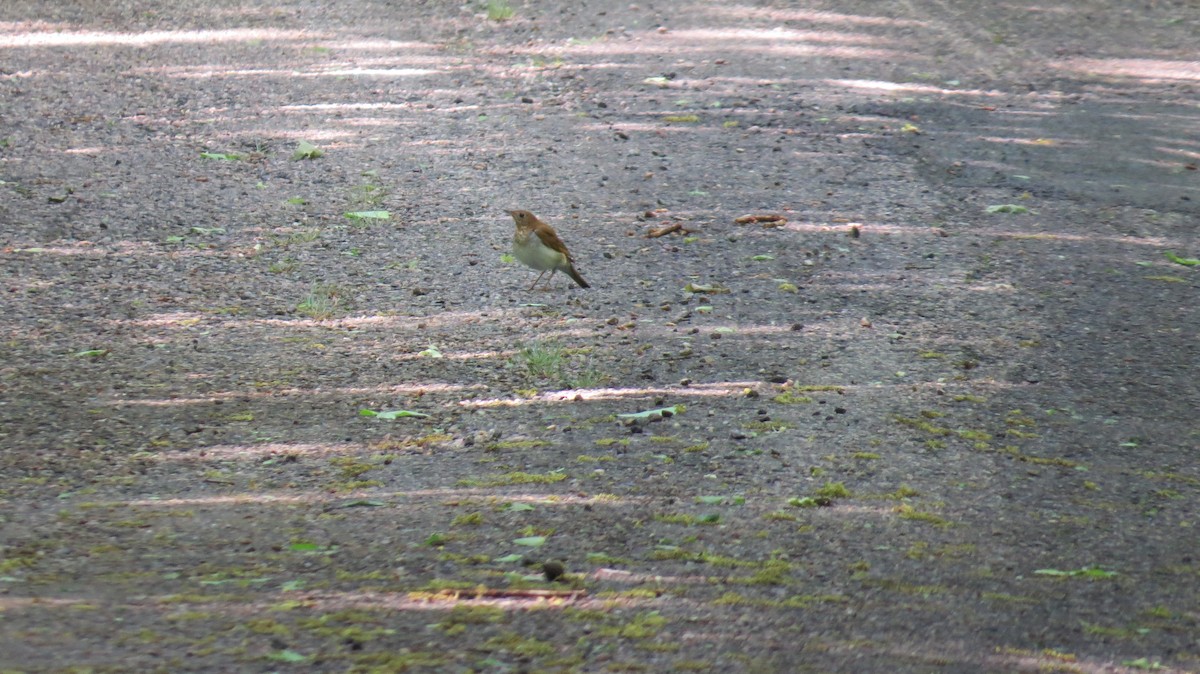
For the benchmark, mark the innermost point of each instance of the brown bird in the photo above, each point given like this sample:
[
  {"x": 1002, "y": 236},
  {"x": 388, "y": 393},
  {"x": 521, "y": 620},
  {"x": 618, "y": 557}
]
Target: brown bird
[{"x": 537, "y": 245}]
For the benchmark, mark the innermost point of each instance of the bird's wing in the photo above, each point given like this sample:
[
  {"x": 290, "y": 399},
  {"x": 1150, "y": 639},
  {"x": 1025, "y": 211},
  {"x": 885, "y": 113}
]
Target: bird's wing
[{"x": 550, "y": 238}]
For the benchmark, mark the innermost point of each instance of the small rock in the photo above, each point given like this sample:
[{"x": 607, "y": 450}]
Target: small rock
[{"x": 553, "y": 570}]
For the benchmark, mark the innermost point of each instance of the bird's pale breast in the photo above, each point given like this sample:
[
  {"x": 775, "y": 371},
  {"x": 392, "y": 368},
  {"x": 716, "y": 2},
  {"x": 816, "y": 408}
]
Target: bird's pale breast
[{"x": 529, "y": 250}]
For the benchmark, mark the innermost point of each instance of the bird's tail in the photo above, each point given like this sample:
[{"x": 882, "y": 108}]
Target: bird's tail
[{"x": 576, "y": 277}]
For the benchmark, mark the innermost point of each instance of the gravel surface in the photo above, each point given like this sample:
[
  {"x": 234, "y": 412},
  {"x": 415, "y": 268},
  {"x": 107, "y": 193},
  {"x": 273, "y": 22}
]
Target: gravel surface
[{"x": 938, "y": 414}]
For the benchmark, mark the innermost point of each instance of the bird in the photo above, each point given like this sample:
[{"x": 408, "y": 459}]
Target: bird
[{"x": 537, "y": 245}]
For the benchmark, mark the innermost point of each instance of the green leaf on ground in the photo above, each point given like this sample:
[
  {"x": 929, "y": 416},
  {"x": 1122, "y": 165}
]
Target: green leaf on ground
[
  {"x": 531, "y": 541},
  {"x": 312, "y": 548},
  {"x": 1085, "y": 572},
  {"x": 392, "y": 414},
  {"x": 306, "y": 150},
  {"x": 1007, "y": 208},
  {"x": 363, "y": 503},
  {"x": 287, "y": 655},
  {"x": 92, "y": 353},
  {"x": 660, "y": 412},
  {"x": 706, "y": 288},
  {"x": 369, "y": 215},
  {"x": 1185, "y": 261}
]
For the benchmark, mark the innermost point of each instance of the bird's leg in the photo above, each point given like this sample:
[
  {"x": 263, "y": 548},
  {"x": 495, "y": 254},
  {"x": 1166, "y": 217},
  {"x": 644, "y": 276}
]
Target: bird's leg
[{"x": 539, "y": 278}]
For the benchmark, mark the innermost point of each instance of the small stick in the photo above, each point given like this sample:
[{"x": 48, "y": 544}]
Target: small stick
[
  {"x": 768, "y": 220},
  {"x": 479, "y": 593},
  {"x": 663, "y": 231}
]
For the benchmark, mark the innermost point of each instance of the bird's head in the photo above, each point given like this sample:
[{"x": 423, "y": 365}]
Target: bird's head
[{"x": 522, "y": 217}]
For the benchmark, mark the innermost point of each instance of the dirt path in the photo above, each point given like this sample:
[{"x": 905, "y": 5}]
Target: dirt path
[{"x": 942, "y": 419}]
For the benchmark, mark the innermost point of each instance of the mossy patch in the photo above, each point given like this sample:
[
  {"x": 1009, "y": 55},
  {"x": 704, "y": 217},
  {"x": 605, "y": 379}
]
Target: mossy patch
[
  {"x": 507, "y": 479},
  {"x": 794, "y": 601},
  {"x": 468, "y": 520},
  {"x": 909, "y": 513},
  {"x": 526, "y": 647},
  {"x": 642, "y": 626},
  {"x": 402, "y": 660},
  {"x": 516, "y": 444},
  {"x": 791, "y": 398},
  {"x": 461, "y": 616}
]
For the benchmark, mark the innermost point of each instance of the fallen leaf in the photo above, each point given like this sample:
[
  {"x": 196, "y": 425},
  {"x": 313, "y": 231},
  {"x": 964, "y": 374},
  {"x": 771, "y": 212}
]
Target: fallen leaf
[{"x": 368, "y": 215}]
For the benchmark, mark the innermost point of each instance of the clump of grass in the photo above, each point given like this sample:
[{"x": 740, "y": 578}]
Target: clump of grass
[
  {"x": 283, "y": 266},
  {"x": 588, "y": 377},
  {"x": 306, "y": 235},
  {"x": 567, "y": 368},
  {"x": 834, "y": 490},
  {"x": 903, "y": 492},
  {"x": 320, "y": 303},
  {"x": 542, "y": 360},
  {"x": 369, "y": 193},
  {"x": 499, "y": 10}
]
